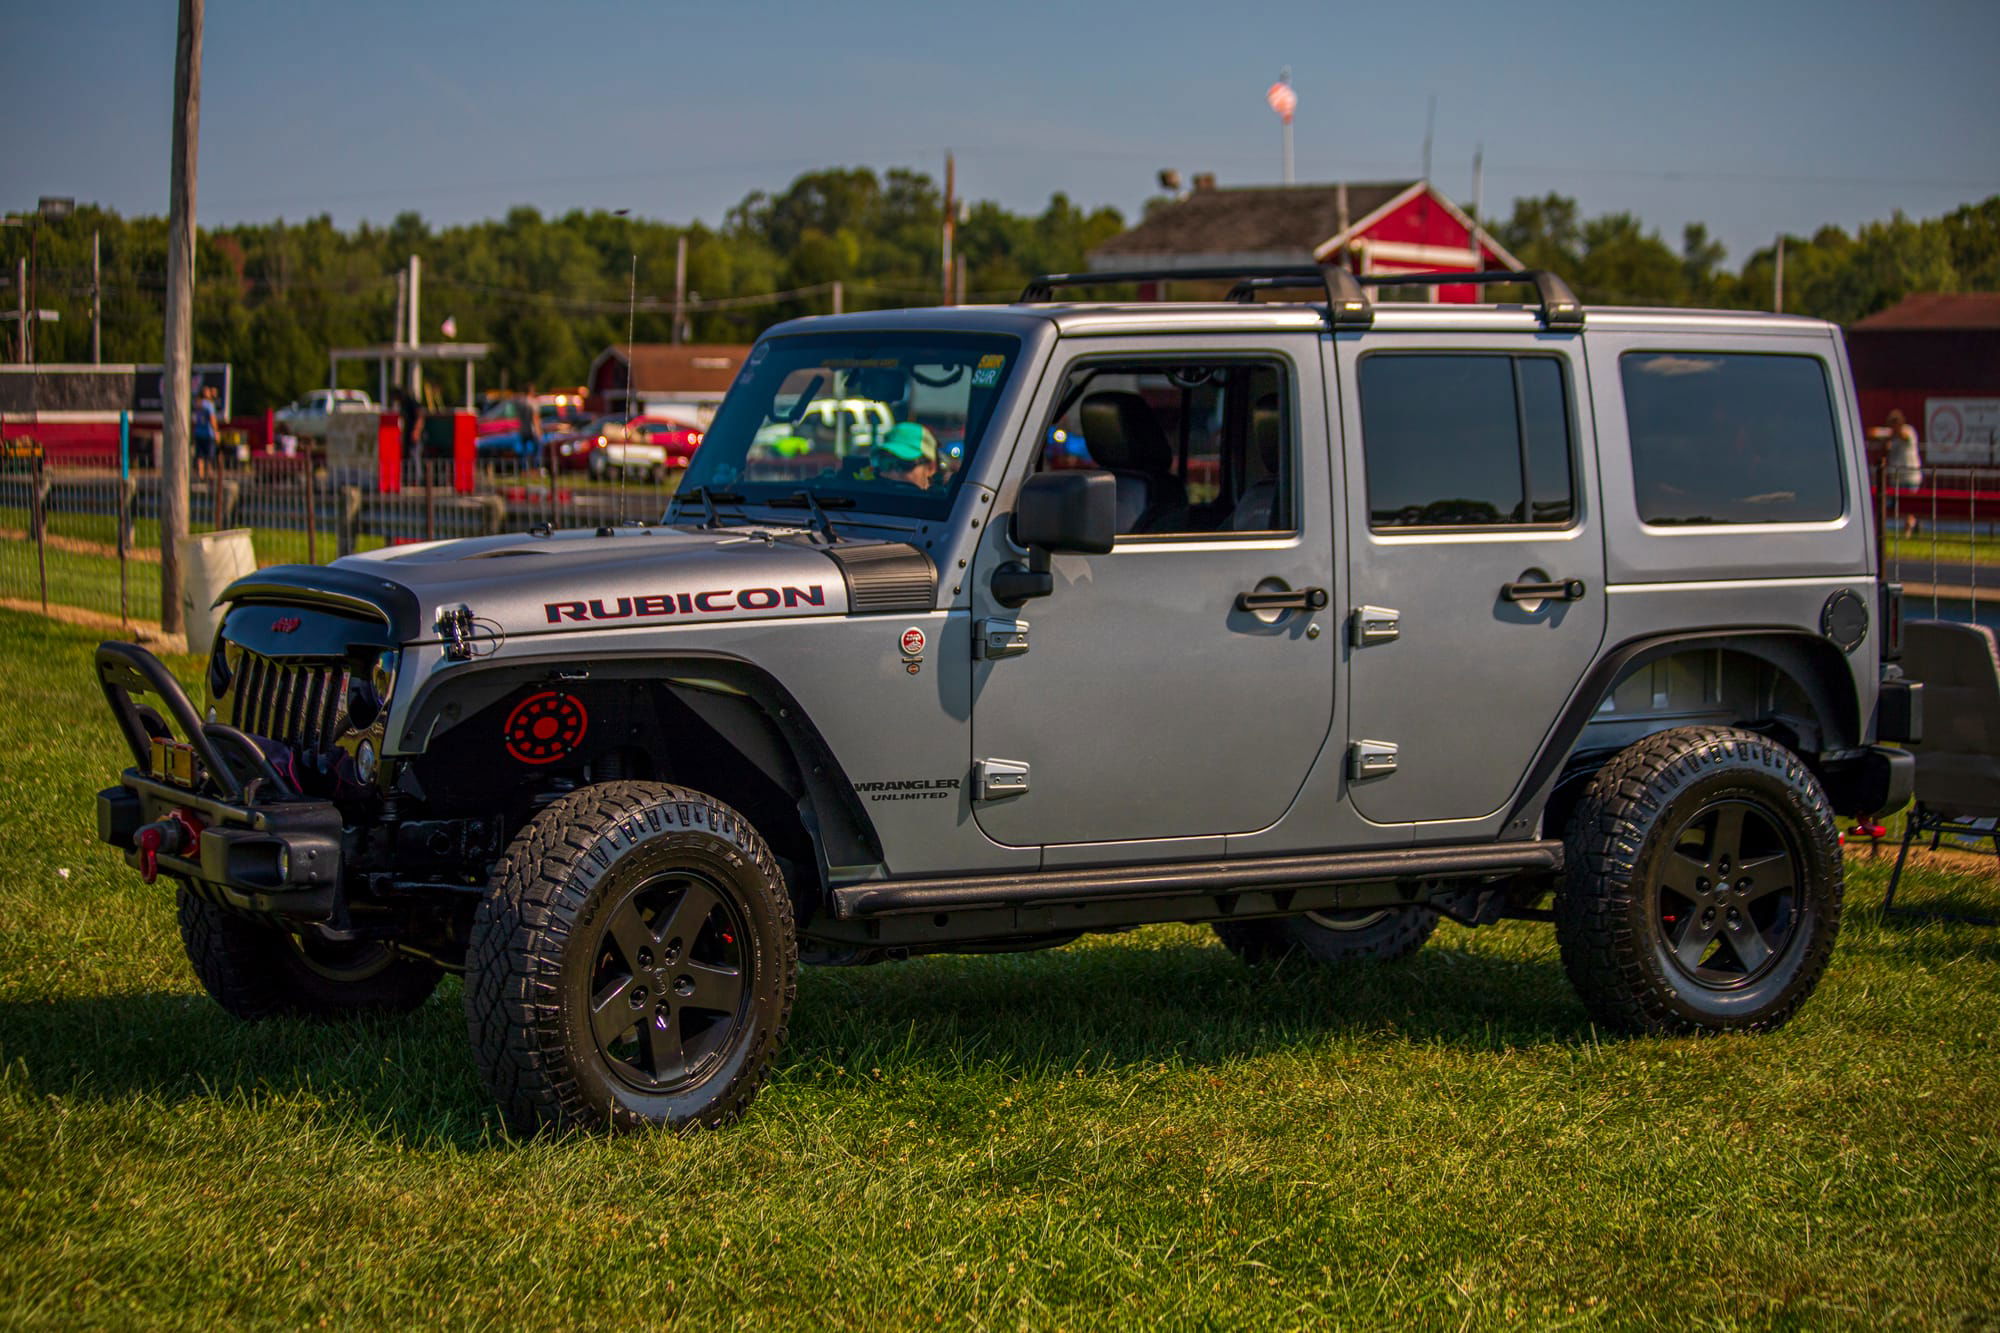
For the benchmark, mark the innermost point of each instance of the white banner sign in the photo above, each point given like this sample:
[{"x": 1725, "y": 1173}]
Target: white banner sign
[{"x": 1961, "y": 430}]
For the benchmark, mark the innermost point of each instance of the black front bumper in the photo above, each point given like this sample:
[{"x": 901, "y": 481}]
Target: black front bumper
[{"x": 261, "y": 847}]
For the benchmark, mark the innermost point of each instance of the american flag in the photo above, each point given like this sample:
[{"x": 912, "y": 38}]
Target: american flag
[{"x": 1283, "y": 100}]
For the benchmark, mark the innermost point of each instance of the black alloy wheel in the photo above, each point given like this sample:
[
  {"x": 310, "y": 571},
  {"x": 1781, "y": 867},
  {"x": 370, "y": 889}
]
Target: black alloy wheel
[
  {"x": 632, "y": 964},
  {"x": 668, "y": 993},
  {"x": 1726, "y": 893},
  {"x": 1702, "y": 885}
]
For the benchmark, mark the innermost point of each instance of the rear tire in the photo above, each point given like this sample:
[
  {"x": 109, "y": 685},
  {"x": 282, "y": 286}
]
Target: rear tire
[
  {"x": 633, "y": 963},
  {"x": 1377, "y": 935},
  {"x": 257, "y": 970},
  {"x": 1703, "y": 885}
]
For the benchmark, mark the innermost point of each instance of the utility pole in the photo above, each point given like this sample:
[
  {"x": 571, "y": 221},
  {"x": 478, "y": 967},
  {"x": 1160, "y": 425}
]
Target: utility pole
[
  {"x": 21, "y": 311},
  {"x": 838, "y": 293},
  {"x": 1478, "y": 217},
  {"x": 416, "y": 328},
  {"x": 950, "y": 223},
  {"x": 1778, "y": 279},
  {"x": 1430, "y": 129},
  {"x": 394, "y": 373},
  {"x": 175, "y": 409},
  {"x": 680, "y": 297},
  {"x": 96, "y": 298}
]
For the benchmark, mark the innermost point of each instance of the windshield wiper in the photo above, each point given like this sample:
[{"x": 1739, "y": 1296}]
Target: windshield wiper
[
  {"x": 710, "y": 498},
  {"x": 807, "y": 500}
]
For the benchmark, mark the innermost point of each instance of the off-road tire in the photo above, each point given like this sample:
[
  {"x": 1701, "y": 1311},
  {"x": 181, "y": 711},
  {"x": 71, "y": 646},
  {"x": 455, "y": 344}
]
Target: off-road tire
[
  {"x": 1619, "y": 914},
  {"x": 1377, "y": 936},
  {"x": 257, "y": 970},
  {"x": 558, "y": 918}
]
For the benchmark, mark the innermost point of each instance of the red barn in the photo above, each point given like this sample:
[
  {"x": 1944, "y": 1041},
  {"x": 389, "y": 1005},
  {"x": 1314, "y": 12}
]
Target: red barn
[
  {"x": 1376, "y": 228},
  {"x": 1935, "y": 355}
]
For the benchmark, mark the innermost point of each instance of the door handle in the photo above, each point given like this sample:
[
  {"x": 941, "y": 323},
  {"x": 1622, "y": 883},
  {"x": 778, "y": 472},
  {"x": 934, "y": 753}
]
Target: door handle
[
  {"x": 1554, "y": 590},
  {"x": 1282, "y": 599}
]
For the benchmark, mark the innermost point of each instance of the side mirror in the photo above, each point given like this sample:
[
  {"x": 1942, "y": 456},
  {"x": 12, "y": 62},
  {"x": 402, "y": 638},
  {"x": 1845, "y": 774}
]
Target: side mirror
[
  {"x": 1070, "y": 512},
  {"x": 1075, "y": 512}
]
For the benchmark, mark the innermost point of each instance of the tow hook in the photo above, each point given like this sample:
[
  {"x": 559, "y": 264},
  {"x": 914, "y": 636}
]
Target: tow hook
[{"x": 178, "y": 832}]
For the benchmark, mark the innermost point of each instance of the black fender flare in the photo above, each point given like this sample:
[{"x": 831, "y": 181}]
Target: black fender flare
[
  {"x": 743, "y": 703},
  {"x": 1808, "y": 660}
]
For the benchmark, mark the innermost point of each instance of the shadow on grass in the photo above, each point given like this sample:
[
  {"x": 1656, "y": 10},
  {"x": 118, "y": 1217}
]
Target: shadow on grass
[{"x": 1108, "y": 1009}]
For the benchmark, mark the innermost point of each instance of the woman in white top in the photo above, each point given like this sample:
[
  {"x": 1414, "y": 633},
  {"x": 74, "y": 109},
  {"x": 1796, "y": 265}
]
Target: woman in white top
[{"x": 1905, "y": 464}]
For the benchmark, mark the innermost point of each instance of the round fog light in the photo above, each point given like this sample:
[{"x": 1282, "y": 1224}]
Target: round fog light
[{"x": 364, "y": 761}]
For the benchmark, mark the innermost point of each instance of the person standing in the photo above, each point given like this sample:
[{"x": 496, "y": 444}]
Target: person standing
[
  {"x": 205, "y": 432},
  {"x": 411, "y": 409},
  {"x": 1904, "y": 462}
]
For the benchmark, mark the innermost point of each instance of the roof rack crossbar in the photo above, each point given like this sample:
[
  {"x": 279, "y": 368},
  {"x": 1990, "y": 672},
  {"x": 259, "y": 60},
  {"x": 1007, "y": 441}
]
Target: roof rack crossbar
[
  {"x": 1347, "y": 304},
  {"x": 1560, "y": 308}
]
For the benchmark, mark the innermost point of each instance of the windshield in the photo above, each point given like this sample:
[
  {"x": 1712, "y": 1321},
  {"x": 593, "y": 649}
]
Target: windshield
[{"x": 886, "y": 422}]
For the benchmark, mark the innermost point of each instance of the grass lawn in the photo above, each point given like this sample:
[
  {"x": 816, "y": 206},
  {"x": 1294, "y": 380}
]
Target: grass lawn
[{"x": 1131, "y": 1131}]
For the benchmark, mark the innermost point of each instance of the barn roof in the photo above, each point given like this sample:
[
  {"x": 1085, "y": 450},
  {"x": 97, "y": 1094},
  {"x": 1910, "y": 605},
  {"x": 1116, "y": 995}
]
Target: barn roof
[
  {"x": 678, "y": 367},
  {"x": 1283, "y": 222},
  {"x": 1923, "y": 311}
]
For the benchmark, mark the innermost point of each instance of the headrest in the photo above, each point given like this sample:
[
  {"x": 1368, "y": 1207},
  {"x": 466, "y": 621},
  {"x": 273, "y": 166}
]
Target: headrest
[
  {"x": 1267, "y": 432},
  {"x": 1123, "y": 435}
]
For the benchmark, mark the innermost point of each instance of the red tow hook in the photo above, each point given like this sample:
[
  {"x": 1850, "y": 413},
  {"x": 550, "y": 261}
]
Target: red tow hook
[{"x": 178, "y": 832}]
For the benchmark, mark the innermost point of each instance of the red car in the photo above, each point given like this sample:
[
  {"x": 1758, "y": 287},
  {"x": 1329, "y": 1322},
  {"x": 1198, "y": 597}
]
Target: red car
[{"x": 653, "y": 446}]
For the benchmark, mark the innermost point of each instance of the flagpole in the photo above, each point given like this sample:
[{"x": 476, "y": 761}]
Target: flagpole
[{"x": 1285, "y": 77}]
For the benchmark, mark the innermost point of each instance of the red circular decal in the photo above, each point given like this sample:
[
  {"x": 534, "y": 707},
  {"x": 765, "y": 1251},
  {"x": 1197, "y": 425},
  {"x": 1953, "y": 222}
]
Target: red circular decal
[
  {"x": 545, "y": 727},
  {"x": 913, "y": 641}
]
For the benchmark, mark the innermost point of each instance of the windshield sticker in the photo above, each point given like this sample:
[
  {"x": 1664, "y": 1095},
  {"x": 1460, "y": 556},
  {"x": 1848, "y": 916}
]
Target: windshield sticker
[
  {"x": 716, "y": 601},
  {"x": 985, "y": 379},
  {"x": 993, "y": 361}
]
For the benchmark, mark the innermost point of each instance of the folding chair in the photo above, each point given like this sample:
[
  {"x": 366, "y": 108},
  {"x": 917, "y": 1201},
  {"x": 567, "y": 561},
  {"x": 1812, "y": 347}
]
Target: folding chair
[{"x": 1958, "y": 761}]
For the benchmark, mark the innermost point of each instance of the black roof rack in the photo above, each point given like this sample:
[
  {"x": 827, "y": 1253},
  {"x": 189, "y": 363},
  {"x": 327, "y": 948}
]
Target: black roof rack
[
  {"x": 1349, "y": 301},
  {"x": 1348, "y": 306}
]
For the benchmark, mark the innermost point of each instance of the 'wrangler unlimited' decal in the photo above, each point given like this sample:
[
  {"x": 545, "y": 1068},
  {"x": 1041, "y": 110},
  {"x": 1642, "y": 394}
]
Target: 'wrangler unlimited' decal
[
  {"x": 908, "y": 789},
  {"x": 714, "y": 602}
]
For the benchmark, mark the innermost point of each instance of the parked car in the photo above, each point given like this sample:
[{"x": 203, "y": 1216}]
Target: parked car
[
  {"x": 308, "y": 416},
  {"x": 1512, "y": 612},
  {"x": 653, "y": 446}
]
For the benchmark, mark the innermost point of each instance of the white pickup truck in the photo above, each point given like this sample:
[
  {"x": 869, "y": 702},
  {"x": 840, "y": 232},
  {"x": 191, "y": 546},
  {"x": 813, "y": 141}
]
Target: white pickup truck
[{"x": 308, "y": 416}]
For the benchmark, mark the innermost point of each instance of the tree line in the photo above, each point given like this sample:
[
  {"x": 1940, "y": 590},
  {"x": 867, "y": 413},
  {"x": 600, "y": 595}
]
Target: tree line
[{"x": 550, "y": 293}]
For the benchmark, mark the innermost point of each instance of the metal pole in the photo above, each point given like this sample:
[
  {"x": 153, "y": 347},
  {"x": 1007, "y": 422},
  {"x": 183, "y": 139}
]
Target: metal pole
[
  {"x": 394, "y": 373},
  {"x": 40, "y": 518},
  {"x": 950, "y": 223},
  {"x": 1478, "y": 217},
  {"x": 1430, "y": 126},
  {"x": 468, "y": 385},
  {"x": 680, "y": 302},
  {"x": 21, "y": 311},
  {"x": 124, "y": 517},
  {"x": 312, "y": 523},
  {"x": 1288, "y": 151},
  {"x": 416, "y": 327},
  {"x": 34, "y": 301},
  {"x": 838, "y": 295},
  {"x": 1778, "y": 279},
  {"x": 175, "y": 408},
  {"x": 96, "y": 299}
]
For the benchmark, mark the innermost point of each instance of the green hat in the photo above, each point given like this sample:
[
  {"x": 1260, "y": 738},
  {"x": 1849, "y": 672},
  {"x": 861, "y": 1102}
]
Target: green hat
[{"x": 909, "y": 442}]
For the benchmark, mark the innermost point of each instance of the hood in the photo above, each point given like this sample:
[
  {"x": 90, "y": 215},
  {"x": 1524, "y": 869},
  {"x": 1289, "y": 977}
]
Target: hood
[{"x": 587, "y": 579}]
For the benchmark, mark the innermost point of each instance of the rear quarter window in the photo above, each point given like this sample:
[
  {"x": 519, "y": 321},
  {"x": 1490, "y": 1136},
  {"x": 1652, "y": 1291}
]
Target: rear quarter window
[{"x": 1732, "y": 437}]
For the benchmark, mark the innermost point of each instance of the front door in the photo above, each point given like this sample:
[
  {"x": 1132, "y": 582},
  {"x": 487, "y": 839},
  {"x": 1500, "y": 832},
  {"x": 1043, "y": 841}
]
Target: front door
[
  {"x": 1474, "y": 539},
  {"x": 1149, "y": 704}
]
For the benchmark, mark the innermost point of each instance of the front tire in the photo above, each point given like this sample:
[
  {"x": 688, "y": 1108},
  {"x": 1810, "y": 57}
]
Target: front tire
[
  {"x": 1703, "y": 885},
  {"x": 257, "y": 970},
  {"x": 632, "y": 964},
  {"x": 1377, "y": 935}
]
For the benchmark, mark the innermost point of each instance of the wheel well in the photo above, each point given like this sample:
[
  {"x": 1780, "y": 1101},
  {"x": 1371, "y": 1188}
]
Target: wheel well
[
  {"x": 1793, "y": 687},
  {"x": 721, "y": 727}
]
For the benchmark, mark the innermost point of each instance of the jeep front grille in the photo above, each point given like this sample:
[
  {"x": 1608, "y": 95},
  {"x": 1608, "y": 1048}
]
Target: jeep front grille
[{"x": 302, "y": 704}]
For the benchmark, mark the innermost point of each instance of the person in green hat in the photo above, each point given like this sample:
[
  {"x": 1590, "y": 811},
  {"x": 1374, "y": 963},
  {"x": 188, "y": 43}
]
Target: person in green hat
[{"x": 907, "y": 455}]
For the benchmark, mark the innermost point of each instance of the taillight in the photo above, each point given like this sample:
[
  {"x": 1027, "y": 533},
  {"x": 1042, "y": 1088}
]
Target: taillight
[{"x": 1892, "y": 622}]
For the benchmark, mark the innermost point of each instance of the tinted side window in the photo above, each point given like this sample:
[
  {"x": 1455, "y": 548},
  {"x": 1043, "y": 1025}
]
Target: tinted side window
[
  {"x": 1465, "y": 441},
  {"x": 1731, "y": 438}
]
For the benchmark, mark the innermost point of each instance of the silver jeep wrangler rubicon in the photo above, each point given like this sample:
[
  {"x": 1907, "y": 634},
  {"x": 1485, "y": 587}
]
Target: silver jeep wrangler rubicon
[{"x": 980, "y": 628}]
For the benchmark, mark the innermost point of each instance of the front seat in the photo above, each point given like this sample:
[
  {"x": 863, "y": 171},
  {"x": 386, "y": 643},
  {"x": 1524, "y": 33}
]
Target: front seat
[
  {"x": 1125, "y": 439},
  {"x": 1256, "y": 510}
]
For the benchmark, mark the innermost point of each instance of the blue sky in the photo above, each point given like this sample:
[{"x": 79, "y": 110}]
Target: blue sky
[{"x": 1752, "y": 116}]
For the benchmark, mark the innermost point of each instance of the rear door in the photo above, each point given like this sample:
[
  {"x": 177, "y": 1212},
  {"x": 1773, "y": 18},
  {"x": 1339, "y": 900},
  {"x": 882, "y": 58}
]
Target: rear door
[{"x": 1477, "y": 562}]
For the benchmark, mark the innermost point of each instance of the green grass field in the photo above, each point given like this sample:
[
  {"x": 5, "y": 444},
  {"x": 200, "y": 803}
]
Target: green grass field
[{"x": 1134, "y": 1131}]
